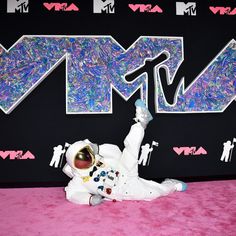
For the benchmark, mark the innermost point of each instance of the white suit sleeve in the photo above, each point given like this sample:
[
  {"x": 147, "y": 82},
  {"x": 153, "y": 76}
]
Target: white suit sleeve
[
  {"x": 79, "y": 197},
  {"x": 77, "y": 193}
]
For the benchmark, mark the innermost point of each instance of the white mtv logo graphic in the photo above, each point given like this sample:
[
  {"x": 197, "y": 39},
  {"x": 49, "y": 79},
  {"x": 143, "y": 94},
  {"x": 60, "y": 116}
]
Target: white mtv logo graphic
[
  {"x": 186, "y": 8},
  {"x": 100, "y": 6},
  {"x": 21, "y": 6}
]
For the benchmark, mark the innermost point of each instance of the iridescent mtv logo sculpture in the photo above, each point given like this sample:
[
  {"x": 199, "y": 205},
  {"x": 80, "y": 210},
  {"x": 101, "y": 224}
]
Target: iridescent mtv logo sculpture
[{"x": 98, "y": 65}]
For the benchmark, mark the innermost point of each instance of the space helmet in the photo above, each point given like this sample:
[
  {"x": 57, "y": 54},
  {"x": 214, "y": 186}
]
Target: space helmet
[{"x": 80, "y": 155}]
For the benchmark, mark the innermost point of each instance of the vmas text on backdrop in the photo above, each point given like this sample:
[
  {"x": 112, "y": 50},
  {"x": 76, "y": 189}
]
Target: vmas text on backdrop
[{"x": 98, "y": 65}]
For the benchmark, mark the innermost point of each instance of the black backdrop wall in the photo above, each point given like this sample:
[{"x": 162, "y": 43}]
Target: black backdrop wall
[{"x": 40, "y": 121}]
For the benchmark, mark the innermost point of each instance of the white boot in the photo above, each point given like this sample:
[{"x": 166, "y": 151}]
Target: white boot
[
  {"x": 180, "y": 186},
  {"x": 142, "y": 113}
]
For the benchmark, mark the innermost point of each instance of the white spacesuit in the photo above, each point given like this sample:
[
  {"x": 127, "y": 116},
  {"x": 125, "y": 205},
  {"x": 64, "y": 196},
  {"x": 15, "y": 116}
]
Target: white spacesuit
[{"x": 104, "y": 172}]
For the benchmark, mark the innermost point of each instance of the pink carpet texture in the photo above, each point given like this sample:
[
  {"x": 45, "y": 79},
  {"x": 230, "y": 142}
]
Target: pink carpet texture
[{"x": 206, "y": 208}]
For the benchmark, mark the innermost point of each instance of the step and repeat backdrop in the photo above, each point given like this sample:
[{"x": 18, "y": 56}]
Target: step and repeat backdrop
[{"x": 72, "y": 70}]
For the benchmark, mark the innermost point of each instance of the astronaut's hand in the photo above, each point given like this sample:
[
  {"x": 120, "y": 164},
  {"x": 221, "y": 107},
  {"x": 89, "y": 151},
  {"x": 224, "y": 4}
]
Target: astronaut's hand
[{"x": 95, "y": 200}]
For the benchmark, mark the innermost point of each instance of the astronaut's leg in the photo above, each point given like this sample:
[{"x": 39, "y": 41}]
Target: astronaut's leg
[
  {"x": 133, "y": 140},
  {"x": 142, "y": 189},
  {"x": 130, "y": 153}
]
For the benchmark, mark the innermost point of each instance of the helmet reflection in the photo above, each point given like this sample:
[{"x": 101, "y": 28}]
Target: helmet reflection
[{"x": 84, "y": 159}]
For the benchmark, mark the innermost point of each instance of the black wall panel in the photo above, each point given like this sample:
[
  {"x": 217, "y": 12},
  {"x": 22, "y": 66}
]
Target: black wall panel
[{"x": 40, "y": 121}]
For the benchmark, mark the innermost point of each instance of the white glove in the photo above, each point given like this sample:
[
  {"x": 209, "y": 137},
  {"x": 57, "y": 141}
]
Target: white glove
[{"x": 95, "y": 200}]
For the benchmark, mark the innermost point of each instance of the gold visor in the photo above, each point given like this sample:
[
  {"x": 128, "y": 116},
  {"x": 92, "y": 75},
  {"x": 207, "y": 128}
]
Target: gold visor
[{"x": 85, "y": 158}]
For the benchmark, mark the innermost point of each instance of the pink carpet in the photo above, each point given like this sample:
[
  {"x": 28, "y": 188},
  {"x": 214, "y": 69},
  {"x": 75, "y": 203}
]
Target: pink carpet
[{"x": 207, "y": 208}]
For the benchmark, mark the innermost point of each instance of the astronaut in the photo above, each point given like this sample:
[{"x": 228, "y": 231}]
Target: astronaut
[
  {"x": 146, "y": 150},
  {"x": 227, "y": 151},
  {"x": 105, "y": 173},
  {"x": 58, "y": 151}
]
